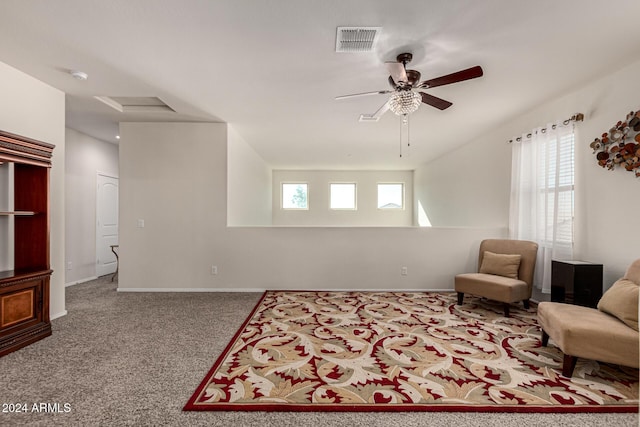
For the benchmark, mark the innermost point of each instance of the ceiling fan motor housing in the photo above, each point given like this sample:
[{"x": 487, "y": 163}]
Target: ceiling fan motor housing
[
  {"x": 413, "y": 77},
  {"x": 404, "y": 58}
]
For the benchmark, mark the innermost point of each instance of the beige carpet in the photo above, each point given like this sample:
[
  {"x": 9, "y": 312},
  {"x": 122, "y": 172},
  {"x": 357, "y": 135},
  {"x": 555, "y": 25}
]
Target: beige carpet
[{"x": 134, "y": 359}]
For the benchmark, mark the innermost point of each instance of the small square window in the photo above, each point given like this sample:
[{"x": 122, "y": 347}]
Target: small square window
[
  {"x": 391, "y": 196},
  {"x": 342, "y": 196},
  {"x": 295, "y": 196}
]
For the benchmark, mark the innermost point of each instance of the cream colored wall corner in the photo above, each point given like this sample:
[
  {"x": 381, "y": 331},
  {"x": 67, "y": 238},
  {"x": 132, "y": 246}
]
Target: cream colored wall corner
[
  {"x": 467, "y": 188},
  {"x": 33, "y": 109},
  {"x": 248, "y": 184}
]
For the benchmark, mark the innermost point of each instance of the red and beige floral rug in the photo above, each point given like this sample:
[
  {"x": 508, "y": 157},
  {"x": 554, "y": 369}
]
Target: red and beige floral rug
[{"x": 388, "y": 351}]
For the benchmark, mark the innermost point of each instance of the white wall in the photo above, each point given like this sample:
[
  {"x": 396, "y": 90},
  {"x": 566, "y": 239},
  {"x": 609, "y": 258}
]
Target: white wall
[
  {"x": 607, "y": 202},
  {"x": 468, "y": 188},
  {"x": 173, "y": 175},
  {"x": 33, "y": 109},
  {"x": 85, "y": 157},
  {"x": 249, "y": 184},
  {"x": 367, "y": 212},
  {"x": 476, "y": 191}
]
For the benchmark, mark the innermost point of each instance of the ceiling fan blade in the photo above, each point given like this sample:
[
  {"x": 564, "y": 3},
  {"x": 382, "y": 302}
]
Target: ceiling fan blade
[
  {"x": 355, "y": 95},
  {"x": 469, "y": 73},
  {"x": 397, "y": 71},
  {"x": 375, "y": 116},
  {"x": 381, "y": 110},
  {"x": 434, "y": 101}
]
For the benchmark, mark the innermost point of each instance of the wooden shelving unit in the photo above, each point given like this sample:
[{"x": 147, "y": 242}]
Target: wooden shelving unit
[{"x": 24, "y": 291}]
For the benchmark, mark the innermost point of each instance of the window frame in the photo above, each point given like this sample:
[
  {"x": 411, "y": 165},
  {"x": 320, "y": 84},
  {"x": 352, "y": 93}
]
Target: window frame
[
  {"x": 355, "y": 195},
  {"x": 403, "y": 201},
  {"x": 304, "y": 183}
]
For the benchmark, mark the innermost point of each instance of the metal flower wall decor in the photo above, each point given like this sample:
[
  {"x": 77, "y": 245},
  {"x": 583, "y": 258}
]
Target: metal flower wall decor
[{"x": 620, "y": 146}]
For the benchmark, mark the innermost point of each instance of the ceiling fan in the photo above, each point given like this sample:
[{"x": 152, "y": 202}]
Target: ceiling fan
[{"x": 405, "y": 97}]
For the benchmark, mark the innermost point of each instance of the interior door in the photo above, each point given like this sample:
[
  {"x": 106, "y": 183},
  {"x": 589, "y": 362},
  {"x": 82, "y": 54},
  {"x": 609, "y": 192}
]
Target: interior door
[{"x": 106, "y": 224}]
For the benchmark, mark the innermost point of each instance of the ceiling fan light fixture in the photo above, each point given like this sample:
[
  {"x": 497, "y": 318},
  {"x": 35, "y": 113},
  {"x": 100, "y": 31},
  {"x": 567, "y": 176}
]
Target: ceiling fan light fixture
[{"x": 404, "y": 102}]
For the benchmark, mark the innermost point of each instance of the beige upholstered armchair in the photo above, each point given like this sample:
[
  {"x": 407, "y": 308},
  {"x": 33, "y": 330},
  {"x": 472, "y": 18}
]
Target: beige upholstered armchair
[
  {"x": 607, "y": 334},
  {"x": 505, "y": 272}
]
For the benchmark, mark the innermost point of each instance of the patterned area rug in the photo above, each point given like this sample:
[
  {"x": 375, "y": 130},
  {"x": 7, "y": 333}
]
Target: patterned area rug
[{"x": 383, "y": 351}]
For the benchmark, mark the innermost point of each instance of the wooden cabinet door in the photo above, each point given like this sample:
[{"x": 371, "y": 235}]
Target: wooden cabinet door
[{"x": 21, "y": 305}]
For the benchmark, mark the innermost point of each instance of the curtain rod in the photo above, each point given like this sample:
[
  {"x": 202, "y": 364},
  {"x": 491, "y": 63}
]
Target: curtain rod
[{"x": 578, "y": 117}]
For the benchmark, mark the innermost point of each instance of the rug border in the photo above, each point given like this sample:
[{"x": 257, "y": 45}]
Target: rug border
[
  {"x": 190, "y": 405},
  {"x": 367, "y": 407},
  {"x": 412, "y": 407}
]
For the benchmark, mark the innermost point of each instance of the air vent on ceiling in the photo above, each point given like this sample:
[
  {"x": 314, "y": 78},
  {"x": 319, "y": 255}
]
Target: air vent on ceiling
[
  {"x": 136, "y": 104},
  {"x": 356, "y": 39}
]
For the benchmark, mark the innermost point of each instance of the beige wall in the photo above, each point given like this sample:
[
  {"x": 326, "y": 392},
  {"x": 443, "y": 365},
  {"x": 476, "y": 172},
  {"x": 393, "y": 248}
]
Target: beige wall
[
  {"x": 33, "y": 109},
  {"x": 172, "y": 176},
  {"x": 85, "y": 157},
  {"x": 606, "y": 202},
  {"x": 366, "y": 214},
  {"x": 468, "y": 188},
  {"x": 179, "y": 189},
  {"x": 249, "y": 184}
]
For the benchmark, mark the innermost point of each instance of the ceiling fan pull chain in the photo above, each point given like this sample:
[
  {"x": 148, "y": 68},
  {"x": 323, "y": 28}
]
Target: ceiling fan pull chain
[
  {"x": 408, "y": 133},
  {"x": 400, "y": 139}
]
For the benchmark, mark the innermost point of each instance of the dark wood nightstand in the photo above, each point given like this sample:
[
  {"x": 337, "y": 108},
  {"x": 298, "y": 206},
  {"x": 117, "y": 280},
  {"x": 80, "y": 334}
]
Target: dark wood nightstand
[{"x": 576, "y": 282}]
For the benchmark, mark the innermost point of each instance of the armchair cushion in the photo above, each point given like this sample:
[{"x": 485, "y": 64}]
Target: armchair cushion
[
  {"x": 491, "y": 286},
  {"x": 500, "y": 264},
  {"x": 621, "y": 301}
]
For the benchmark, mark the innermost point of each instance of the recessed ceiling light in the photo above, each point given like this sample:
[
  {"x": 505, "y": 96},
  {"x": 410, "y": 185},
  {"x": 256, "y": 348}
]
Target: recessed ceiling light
[
  {"x": 79, "y": 75},
  {"x": 117, "y": 136}
]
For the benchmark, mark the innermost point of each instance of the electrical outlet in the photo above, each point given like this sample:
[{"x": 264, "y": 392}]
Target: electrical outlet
[
  {"x": 214, "y": 270},
  {"x": 141, "y": 223},
  {"x": 69, "y": 265},
  {"x": 404, "y": 271}
]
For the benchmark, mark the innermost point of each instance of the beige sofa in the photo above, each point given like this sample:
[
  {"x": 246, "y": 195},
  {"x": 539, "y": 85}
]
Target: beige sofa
[{"x": 607, "y": 334}]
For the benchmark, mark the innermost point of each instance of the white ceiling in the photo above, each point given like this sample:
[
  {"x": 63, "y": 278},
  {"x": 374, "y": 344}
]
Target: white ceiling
[{"x": 269, "y": 67}]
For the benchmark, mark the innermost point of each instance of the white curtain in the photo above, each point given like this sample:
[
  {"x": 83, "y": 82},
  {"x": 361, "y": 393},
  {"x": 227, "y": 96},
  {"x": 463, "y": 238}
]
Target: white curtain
[{"x": 542, "y": 195}]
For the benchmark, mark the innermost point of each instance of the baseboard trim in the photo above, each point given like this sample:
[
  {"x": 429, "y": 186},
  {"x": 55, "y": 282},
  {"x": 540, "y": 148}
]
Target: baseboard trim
[
  {"x": 77, "y": 282},
  {"x": 253, "y": 290},
  {"x": 57, "y": 315}
]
